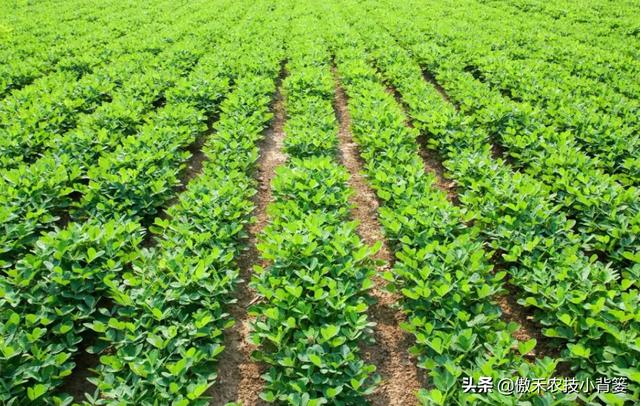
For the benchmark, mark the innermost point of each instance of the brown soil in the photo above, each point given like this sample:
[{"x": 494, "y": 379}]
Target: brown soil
[
  {"x": 392, "y": 91},
  {"x": 238, "y": 375},
  {"x": 430, "y": 78},
  {"x": 64, "y": 218},
  {"x": 497, "y": 150},
  {"x": 432, "y": 160},
  {"x": 64, "y": 215},
  {"x": 512, "y": 311},
  {"x": 196, "y": 160},
  {"x": 195, "y": 163},
  {"x": 433, "y": 164},
  {"x": 401, "y": 379},
  {"x": 77, "y": 384},
  {"x": 193, "y": 168}
]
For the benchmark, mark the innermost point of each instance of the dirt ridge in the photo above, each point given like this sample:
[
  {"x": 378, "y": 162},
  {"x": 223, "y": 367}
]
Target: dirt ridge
[
  {"x": 430, "y": 158},
  {"x": 401, "y": 379},
  {"x": 512, "y": 311},
  {"x": 76, "y": 383},
  {"x": 238, "y": 375},
  {"x": 431, "y": 79},
  {"x": 498, "y": 152}
]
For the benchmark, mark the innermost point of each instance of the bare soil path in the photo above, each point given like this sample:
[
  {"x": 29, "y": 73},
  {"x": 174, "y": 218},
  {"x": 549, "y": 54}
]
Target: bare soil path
[
  {"x": 511, "y": 310},
  {"x": 77, "y": 384},
  {"x": 238, "y": 375},
  {"x": 401, "y": 379}
]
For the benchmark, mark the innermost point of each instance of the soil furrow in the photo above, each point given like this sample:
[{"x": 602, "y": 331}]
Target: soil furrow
[
  {"x": 192, "y": 169},
  {"x": 431, "y": 79},
  {"x": 511, "y": 310},
  {"x": 498, "y": 151},
  {"x": 238, "y": 375},
  {"x": 431, "y": 159},
  {"x": 76, "y": 384},
  {"x": 401, "y": 379},
  {"x": 195, "y": 163},
  {"x": 433, "y": 164}
]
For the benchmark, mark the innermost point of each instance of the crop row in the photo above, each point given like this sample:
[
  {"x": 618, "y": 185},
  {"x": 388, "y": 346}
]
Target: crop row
[
  {"x": 580, "y": 302},
  {"x": 56, "y": 296},
  {"x": 80, "y": 276},
  {"x": 71, "y": 38},
  {"x": 448, "y": 286},
  {"x": 311, "y": 315},
  {"x": 35, "y": 118},
  {"x": 607, "y": 214},
  {"x": 599, "y": 121},
  {"x": 596, "y": 39},
  {"x": 95, "y": 167},
  {"x": 166, "y": 328}
]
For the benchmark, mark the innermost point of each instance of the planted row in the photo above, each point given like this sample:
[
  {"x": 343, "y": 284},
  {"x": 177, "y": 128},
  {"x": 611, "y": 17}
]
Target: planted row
[
  {"x": 448, "y": 286},
  {"x": 71, "y": 39},
  {"x": 600, "y": 122},
  {"x": 33, "y": 119},
  {"x": 46, "y": 299},
  {"x": 44, "y": 358},
  {"x": 99, "y": 166},
  {"x": 311, "y": 315},
  {"x": 165, "y": 330},
  {"x": 578, "y": 300},
  {"x": 607, "y": 214},
  {"x": 604, "y": 141}
]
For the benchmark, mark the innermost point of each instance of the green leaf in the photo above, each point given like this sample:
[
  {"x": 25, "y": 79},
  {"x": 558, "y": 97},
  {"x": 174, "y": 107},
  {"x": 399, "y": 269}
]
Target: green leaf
[
  {"x": 631, "y": 256},
  {"x": 316, "y": 360},
  {"x": 197, "y": 391},
  {"x": 484, "y": 291},
  {"x": 527, "y": 346},
  {"x": 566, "y": 319},
  {"x": 91, "y": 254},
  {"x": 333, "y": 392},
  {"x": 296, "y": 291},
  {"x": 272, "y": 313},
  {"x": 367, "y": 284},
  {"x": 178, "y": 367},
  {"x": 579, "y": 351},
  {"x": 632, "y": 374},
  {"x": 611, "y": 399},
  {"x": 156, "y": 341},
  {"x": 157, "y": 313},
  {"x": 436, "y": 396},
  {"x": 436, "y": 344},
  {"x": 36, "y": 391},
  {"x": 329, "y": 331},
  {"x": 410, "y": 294},
  {"x": 268, "y": 396}
]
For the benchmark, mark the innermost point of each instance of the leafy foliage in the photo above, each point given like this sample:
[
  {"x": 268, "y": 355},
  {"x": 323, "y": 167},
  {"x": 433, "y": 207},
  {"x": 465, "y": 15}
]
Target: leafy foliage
[
  {"x": 312, "y": 315},
  {"x": 579, "y": 300}
]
